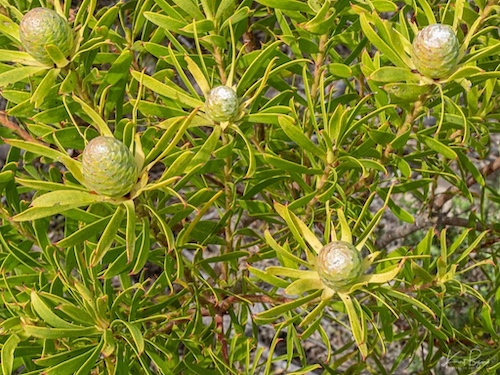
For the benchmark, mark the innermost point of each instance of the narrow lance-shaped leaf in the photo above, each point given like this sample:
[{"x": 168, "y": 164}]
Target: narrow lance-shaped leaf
[
  {"x": 144, "y": 249},
  {"x": 97, "y": 120},
  {"x": 7, "y": 354},
  {"x": 58, "y": 333},
  {"x": 357, "y": 323},
  {"x": 46, "y": 313},
  {"x": 108, "y": 236},
  {"x": 297, "y": 135},
  {"x": 57, "y": 202},
  {"x": 44, "y": 87},
  {"x": 130, "y": 229},
  {"x": 168, "y": 91},
  {"x": 18, "y": 74},
  {"x": 284, "y": 307},
  {"x": 75, "y": 364}
]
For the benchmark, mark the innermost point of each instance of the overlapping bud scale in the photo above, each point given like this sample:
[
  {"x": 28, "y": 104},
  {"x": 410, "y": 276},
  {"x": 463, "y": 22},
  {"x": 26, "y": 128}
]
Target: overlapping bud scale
[
  {"x": 339, "y": 265},
  {"x": 109, "y": 168},
  {"x": 435, "y": 51}
]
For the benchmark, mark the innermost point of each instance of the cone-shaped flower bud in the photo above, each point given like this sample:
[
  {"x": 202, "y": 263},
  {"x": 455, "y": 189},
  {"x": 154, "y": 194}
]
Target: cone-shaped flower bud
[
  {"x": 435, "y": 51},
  {"x": 109, "y": 168},
  {"x": 41, "y": 27},
  {"x": 222, "y": 104},
  {"x": 339, "y": 265}
]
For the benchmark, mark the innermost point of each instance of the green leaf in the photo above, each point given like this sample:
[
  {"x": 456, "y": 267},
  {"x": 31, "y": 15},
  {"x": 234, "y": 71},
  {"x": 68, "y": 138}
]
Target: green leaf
[
  {"x": 56, "y": 55},
  {"x": 97, "y": 120},
  {"x": 36, "y": 148},
  {"x": 251, "y": 155},
  {"x": 9, "y": 28},
  {"x": 58, "y": 333},
  {"x": 288, "y": 166},
  {"x": 261, "y": 59},
  {"x": 408, "y": 299},
  {"x": 300, "y": 230},
  {"x": 108, "y": 236},
  {"x": 281, "y": 251},
  {"x": 44, "y": 87},
  {"x": 464, "y": 72},
  {"x": 169, "y": 91},
  {"x": 143, "y": 250},
  {"x": 471, "y": 247},
  {"x": 340, "y": 70},
  {"x": 46, "y": 313},
  {"x": 281, "y": 309},
  {"x": 7, "y": 355},
  {"x": 84, "y": 233},
  {"x": 380, "y": 44},
  {"x": 406, "y": 92},
  {"x": 130, "y": 229},
  {"x": 205, "y": 152},
  {"x": 136, "y": 336},
  {"x": 394, "y": 74},
  {"x": 429, "y": 13},
  {"x": 322, "y": 21},
  {"x": 79, "y": 364},
  {"x": 18, "y": 74},
  {"x": 297, "y": 135},
  {"x": 293, "y": 5},
  {"x": 270, "y": 279},
  {"x": 436, "y": 331},
  {"x": 437, "y": 146},
  {"x": 91, "y": 361},
  {"x": 469, "y": 166},
  {"x": 301, "y": 286},
  {"x": 293, "y": 273},
  {"x": 57, "y": 202},
  {"x": 358, "y": 325},
  {"x": 198, "y": 75}
]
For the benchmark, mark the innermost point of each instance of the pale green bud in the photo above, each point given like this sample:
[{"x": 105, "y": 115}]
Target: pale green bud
[
  {"x": 41, "y": 27},
  {"x": 222, "y": 104},
  {"x": 109, "y": 168},
  {"x": 435, "y": 51},
  {"x": 339, "y": 265}
]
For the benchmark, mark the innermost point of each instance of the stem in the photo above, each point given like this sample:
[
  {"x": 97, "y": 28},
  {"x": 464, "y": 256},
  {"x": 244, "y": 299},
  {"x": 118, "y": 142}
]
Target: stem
[
  {"x": 318, "y": 64},
  {"x": 219, "y": 60},
  {"x": 228, "y": 203},
  {"x": 407, "y": 124},
  {"x": 423, "y": 221},
  {"x": 4, "y": 121},
  {"x": 219, "y": 329}
]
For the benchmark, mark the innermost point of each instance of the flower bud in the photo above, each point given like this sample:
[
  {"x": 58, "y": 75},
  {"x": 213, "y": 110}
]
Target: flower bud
[
  {"x": 109, "y": 168},
  {"x": 222, "y": 104},
  {"x": 41, "y": 27},
  {"x": 435, "y": 51},
  {"x": 339, "y": 265}
]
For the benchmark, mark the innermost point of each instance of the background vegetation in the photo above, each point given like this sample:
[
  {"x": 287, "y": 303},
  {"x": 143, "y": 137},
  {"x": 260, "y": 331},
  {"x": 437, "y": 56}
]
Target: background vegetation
[{"x": 208, "y": 266}]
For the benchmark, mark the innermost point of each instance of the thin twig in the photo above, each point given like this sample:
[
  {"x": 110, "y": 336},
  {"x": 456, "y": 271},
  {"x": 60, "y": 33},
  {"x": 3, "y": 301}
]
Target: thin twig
[
  {"x": 253, "y": 298},
  {"x": 452, "y": 191},
  {"x": 422, "y": 221},
  {"x": 4, "y": 121}
]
